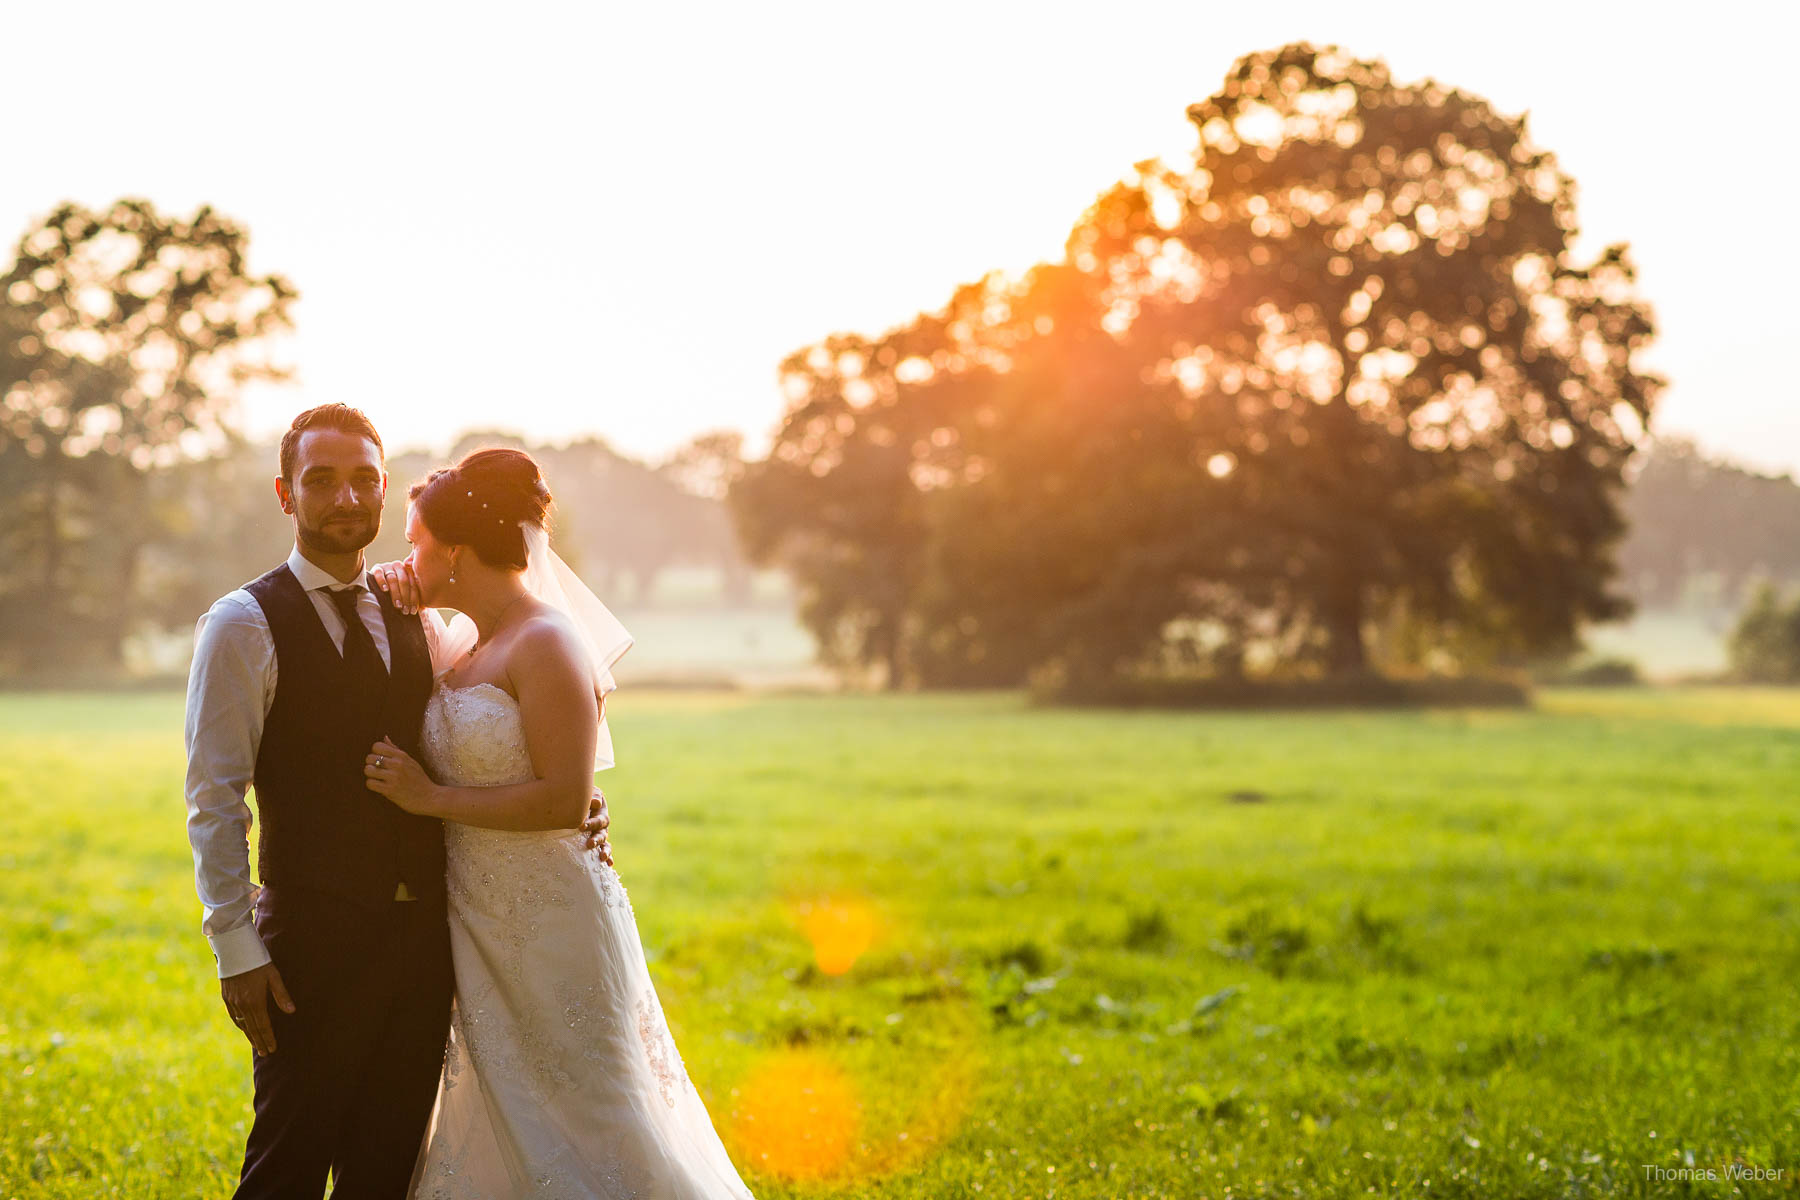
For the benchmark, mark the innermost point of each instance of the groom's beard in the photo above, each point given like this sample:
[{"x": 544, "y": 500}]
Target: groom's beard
[{"x": 345, "y": 533}]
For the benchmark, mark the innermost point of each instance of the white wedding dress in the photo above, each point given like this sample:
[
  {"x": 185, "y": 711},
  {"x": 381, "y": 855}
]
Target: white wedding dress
[{"x": 561, "y": 1079}]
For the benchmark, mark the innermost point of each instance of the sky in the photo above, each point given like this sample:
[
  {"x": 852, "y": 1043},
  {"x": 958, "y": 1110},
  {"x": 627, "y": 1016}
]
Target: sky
[{"x": 617, "y": 219}]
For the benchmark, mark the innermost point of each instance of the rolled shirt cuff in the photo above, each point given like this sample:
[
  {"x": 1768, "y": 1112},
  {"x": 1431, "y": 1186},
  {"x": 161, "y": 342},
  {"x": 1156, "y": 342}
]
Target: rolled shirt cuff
[{"x": 239, "y": 950}]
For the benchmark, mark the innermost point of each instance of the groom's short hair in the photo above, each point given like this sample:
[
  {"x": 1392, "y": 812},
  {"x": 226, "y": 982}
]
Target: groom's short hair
[{"x": 340, "y": 417}]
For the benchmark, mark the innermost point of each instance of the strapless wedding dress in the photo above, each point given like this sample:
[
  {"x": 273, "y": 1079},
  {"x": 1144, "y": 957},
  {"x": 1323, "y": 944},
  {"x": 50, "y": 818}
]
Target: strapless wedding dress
[{"x": 561, "y": 1079}]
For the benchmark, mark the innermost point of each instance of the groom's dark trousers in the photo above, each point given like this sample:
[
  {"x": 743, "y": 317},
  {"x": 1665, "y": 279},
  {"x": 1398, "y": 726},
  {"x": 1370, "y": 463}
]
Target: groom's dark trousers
[{"x": 352, "y": 912}]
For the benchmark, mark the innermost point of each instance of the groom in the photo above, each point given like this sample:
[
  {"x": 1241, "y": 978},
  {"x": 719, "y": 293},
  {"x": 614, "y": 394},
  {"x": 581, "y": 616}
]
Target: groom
[{"x": 337, "y": 970}]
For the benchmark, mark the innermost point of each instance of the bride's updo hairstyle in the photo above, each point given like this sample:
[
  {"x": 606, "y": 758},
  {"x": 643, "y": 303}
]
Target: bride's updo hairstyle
[{"x": 480, "y": 502}]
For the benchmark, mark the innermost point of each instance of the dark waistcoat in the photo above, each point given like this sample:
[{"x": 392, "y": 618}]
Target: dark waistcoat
[{"x": 322, "y": 828}]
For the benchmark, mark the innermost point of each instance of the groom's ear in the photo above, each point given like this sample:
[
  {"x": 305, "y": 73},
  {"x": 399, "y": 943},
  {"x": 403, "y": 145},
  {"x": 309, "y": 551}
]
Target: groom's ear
[{"x": 287, "y": 501}]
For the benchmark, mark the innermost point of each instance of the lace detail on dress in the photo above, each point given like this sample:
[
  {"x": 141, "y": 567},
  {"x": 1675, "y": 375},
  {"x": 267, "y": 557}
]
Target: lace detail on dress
[
  {"x": 454, "y": 1056},
  {"x": 581, "y": 1006},
  {"x": 659, "y": 1047},
  {"x": 558, "y": 1041}
]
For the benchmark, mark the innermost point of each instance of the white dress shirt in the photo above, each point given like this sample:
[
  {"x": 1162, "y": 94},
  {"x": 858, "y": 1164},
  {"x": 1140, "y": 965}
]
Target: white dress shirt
[{"x": 231, "y": 687}]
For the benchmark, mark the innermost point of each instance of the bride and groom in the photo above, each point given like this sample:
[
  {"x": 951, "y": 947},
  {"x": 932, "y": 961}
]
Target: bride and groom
[{"x": 422, "y": 789}]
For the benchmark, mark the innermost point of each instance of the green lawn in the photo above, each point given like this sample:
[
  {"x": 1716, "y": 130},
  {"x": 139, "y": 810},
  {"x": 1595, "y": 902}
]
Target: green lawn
[{"x": 1481, "y": 953}]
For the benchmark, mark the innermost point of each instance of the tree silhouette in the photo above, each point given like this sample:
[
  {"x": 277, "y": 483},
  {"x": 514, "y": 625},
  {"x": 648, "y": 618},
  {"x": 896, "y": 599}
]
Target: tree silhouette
[
  {"x": 835, "y": 501},
  {"x": 1338, "y": 373},
  {"x": 123, "y": 334},
  {"x": 1368, "y": 290}
]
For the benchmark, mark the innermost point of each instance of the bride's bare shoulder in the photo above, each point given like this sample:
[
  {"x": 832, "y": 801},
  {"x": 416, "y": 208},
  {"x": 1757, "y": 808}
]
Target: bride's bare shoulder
[{"x": 548, "y": 641}]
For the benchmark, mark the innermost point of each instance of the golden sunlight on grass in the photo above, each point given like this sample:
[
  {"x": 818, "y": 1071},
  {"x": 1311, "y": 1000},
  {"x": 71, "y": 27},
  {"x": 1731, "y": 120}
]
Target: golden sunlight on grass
[{"x": 797, "y": 1117}]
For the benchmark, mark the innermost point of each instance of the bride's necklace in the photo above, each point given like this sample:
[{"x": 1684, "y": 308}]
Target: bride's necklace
[{"x": 479, "y": 640}]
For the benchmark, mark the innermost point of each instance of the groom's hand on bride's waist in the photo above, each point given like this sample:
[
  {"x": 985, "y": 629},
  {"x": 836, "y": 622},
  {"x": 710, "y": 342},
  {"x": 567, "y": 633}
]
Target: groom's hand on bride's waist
[
  {"x": 247, "y": 999},
  {"x": 595, "y": 827}
]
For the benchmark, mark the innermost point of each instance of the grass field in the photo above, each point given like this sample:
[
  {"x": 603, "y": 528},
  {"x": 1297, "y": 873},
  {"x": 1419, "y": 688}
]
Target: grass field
[{"x": 1471, "y": 953}]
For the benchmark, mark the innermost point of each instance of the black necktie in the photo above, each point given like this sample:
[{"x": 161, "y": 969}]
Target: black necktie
[{"x": 361, "y": 659}]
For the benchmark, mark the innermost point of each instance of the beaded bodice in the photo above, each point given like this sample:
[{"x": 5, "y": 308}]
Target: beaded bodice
[{"x": 474, "y": 737}]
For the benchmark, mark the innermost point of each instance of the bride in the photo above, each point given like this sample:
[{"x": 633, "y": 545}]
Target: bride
[{"x": 561, "y": 1079}]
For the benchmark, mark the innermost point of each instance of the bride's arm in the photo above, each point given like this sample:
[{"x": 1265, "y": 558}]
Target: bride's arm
[{"x": 549, "y": 670}]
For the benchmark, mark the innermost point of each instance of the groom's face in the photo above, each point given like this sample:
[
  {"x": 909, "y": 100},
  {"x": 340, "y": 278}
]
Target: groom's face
[{"x": 336, "y": 491}]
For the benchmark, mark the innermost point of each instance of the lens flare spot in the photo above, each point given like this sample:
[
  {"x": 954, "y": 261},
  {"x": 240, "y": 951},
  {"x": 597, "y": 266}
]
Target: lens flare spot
[
  {"x": 840, "y": 931},
  {"x": 797, "y": 1116}
]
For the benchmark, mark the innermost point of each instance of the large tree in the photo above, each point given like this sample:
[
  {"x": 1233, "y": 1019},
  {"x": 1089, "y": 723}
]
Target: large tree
[
  {"x": 1364, "y": 297},
  {"x": 124, "y": 334},
  {"x": 1340, "y": 374}
]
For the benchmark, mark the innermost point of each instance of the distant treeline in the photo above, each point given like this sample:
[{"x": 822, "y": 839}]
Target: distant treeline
[
  {"x": 146, "y": 551},
  {"x": 1703, "y": 530},
  {"x": 618, "y": 521}
]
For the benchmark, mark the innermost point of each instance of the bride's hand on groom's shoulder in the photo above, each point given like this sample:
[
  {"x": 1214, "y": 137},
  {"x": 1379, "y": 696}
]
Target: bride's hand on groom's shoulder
[
  {"x": 395, "y": 774},
  {"x": 400, "y": 583}
]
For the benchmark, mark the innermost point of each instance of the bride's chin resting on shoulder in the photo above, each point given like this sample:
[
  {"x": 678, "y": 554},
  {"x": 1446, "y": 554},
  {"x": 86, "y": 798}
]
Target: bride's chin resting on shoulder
[{"x": 548, "y": 670}]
